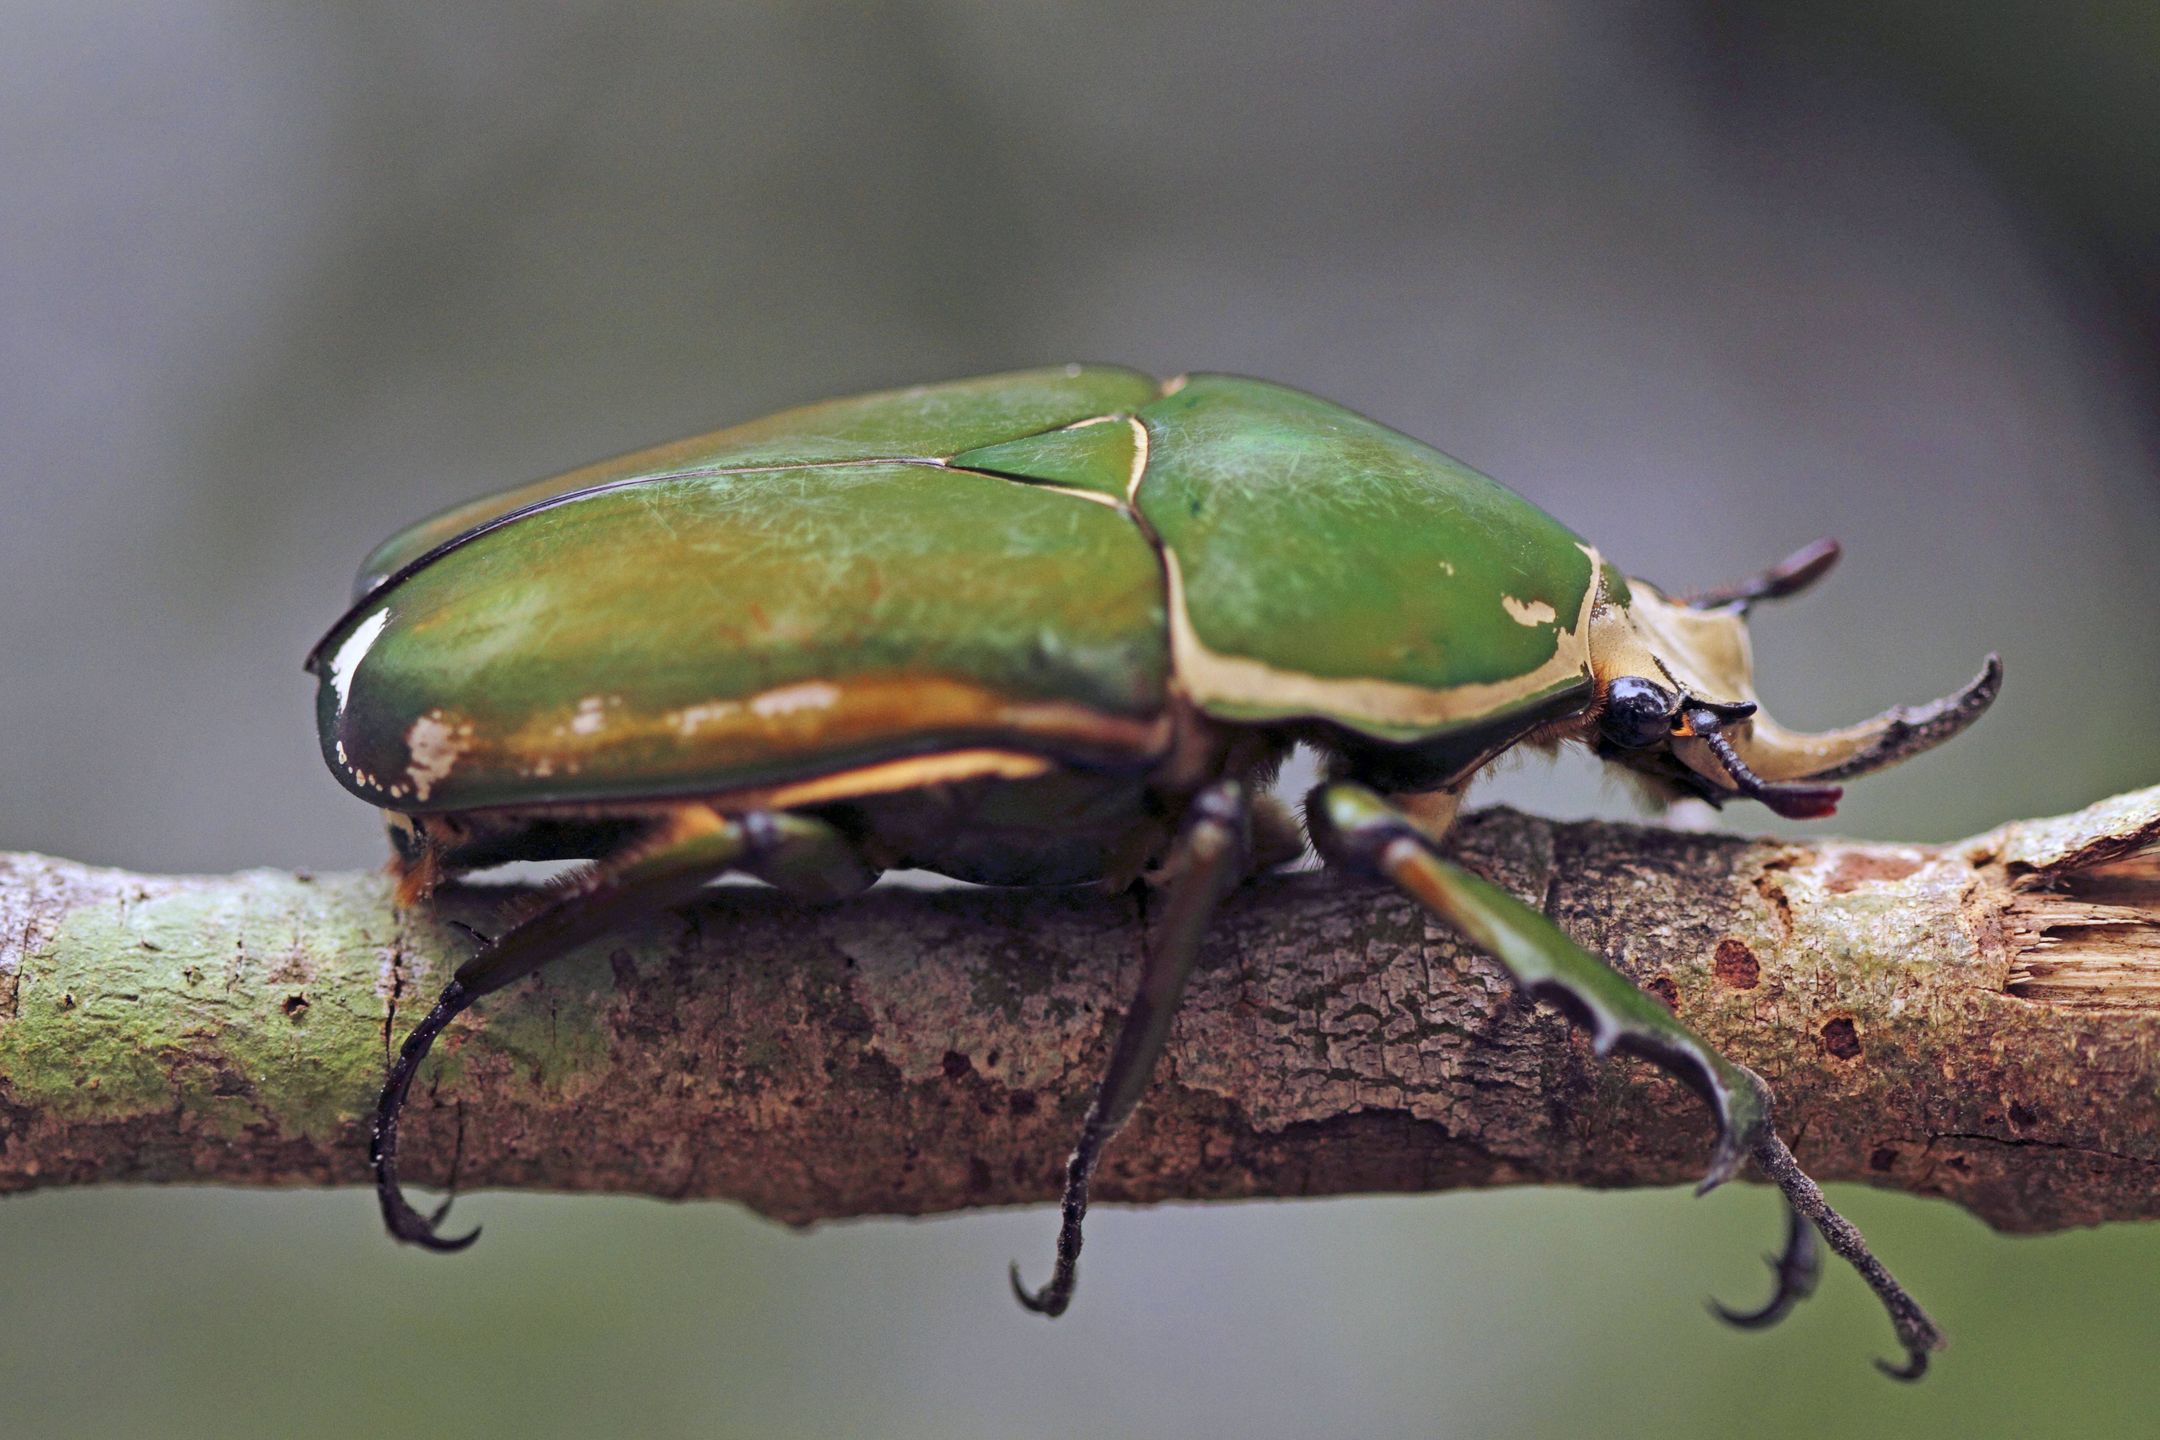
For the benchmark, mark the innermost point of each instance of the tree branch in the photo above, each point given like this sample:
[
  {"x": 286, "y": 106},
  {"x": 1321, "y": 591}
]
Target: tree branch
[{"x": 1979, "y": 1021}]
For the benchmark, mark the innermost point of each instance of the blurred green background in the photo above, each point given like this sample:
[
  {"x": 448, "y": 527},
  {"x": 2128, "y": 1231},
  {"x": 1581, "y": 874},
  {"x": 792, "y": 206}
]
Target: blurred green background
[{"x": 1705, "y": 280}]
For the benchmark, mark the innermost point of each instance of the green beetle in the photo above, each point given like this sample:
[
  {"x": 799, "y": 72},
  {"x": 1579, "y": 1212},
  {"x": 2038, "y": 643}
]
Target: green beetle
[{"x": 1041, "y": 628}]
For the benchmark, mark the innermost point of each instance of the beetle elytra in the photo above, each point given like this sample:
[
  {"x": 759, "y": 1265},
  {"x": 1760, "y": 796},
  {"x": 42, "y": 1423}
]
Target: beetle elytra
[{"x": 1041, "y": 628}]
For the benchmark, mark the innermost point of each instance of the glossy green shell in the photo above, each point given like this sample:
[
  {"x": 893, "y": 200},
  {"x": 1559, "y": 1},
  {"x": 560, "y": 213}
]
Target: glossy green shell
[
  {"x": 1020, "y": 565},
  {"x": 1324, "y": 565}
]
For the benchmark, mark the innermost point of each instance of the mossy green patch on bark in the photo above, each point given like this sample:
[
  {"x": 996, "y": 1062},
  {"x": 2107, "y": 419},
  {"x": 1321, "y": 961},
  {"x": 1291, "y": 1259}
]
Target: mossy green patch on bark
[
  {"x": 553, "y": 1032},
  {"x": 264, "y": 1006},
  {"x": 198, "y": 1000}
]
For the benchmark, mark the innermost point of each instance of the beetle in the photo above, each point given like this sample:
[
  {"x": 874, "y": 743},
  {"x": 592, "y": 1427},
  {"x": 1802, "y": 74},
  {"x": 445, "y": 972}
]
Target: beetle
[{"x": 1042, "y": 628}]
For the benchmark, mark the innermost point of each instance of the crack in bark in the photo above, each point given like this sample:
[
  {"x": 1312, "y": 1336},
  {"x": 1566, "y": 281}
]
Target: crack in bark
[{"x": 2016, "y": 1142}]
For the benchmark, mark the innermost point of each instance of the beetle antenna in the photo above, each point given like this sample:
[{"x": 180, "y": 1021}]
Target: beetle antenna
[
  {"x": 399, "y": 1216},
  {"x": 1794, "y": 802}
]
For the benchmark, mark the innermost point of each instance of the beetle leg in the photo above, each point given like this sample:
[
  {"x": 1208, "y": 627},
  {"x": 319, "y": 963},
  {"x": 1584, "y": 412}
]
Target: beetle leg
[
  {"x": 399, "y": 1218},
  {"x": 1916, "y": 1330},
  {"x": 696, "y": 844},
  {"x": 1797, "y": 1266},
  {"x": 1208, "y": 860},
  {"x": 1356, "y": 827}
]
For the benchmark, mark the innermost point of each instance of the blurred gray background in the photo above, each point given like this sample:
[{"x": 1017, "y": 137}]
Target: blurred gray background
[{"x": 1704, "y": 280}]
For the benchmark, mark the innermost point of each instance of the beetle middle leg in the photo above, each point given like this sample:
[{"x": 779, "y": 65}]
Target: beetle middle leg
[
  {"x": 695, "y": 844},
  {"x": 1356, "y": 828},
  {"x": 1208, "y": 859}
]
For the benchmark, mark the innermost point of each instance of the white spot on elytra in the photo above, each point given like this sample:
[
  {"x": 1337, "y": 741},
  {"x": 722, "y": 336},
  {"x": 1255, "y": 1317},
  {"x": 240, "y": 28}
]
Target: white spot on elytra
[
  {"x": 692, "y": 718},
  {"x": 1537, "y": 612},
  {"x": 353, "y": 651},
  {"x": 810, "y": 695},
  {"x": 435, "y": 743},
  {"x": 591, "y": 714},
  {"x": 1447, "y": 568}
]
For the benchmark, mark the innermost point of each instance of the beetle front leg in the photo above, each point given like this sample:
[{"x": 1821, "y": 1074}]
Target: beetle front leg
[
  {"x": 1797, "y": 1266},
  {"x": 803, "y": 856},
  {"x": 1355, "y": 827},
  {"x": 1208, "y": 859}
]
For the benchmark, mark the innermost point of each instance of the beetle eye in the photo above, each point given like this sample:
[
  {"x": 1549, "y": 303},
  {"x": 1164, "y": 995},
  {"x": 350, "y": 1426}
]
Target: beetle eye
[{"x": 1638, "y": 713}]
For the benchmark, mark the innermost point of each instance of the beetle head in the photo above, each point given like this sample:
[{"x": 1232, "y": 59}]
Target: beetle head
[{"x": 1676, "y": 701}]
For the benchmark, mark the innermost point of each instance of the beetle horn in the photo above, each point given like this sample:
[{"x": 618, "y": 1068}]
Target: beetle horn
[
  {"x": 1789, "y": 576},
  {"x": 1780, "y": 754}
]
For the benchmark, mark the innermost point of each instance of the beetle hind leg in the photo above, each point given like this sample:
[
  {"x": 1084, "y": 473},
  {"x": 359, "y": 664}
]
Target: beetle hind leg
[
  {"x": 399, "y": 1217},
  {"x": 1355, "y": 827},
  {"x": 693, "y": 845},
  {"x": 1208, "y": 859}
]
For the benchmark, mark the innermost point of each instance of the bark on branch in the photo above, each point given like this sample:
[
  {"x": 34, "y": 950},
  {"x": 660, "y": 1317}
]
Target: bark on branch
[{"x": 1979, "y": 1021}]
